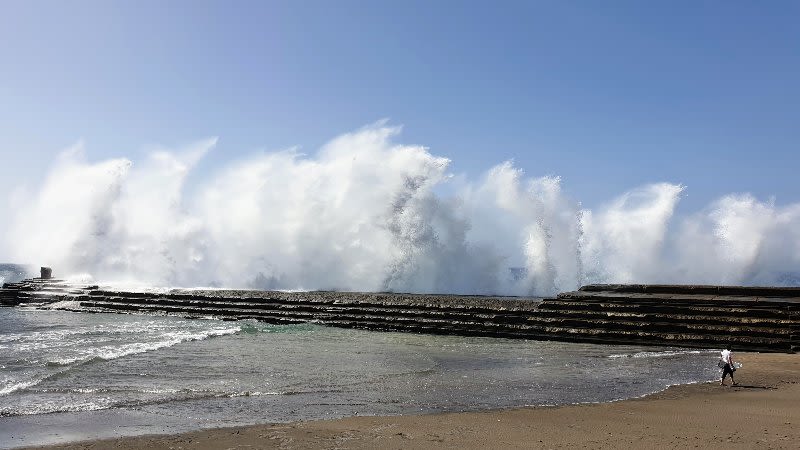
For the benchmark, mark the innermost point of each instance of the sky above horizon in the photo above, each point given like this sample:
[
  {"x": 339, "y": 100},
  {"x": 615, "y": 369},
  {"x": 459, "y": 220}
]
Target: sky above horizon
[{"x": 607, "y": 96}]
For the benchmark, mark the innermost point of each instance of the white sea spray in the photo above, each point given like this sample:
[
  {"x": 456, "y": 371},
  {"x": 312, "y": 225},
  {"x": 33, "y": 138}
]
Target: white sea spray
[{"x": 368, "y": 213}]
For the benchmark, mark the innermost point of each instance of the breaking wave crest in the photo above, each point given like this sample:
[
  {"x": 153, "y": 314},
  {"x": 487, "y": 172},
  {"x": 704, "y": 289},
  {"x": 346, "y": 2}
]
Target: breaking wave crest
[
  {"x": 106, "y": 399},
  {"x": 662, "y": 354},
  {"x": 367, "y": 213},
  {"x": 73, "y": 356}
]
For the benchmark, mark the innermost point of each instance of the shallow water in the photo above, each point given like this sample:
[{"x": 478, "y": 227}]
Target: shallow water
[{"x": 117, "y": 374}]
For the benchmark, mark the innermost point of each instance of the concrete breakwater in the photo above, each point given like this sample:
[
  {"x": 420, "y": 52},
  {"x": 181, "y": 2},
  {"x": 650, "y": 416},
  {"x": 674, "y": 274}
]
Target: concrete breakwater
[{"x": 749, "y": 318}]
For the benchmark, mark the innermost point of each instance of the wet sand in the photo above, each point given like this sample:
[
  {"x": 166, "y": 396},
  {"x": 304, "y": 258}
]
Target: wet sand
[{"x": 763, "y": 411}]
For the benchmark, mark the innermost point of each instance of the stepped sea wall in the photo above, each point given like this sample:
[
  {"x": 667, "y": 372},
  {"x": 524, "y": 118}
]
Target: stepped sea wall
[{"x": 748, "y": 318}]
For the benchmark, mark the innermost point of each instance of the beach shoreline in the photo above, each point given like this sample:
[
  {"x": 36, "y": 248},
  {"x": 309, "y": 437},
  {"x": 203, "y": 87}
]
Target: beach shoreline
[{"x": 763, "y": 411}]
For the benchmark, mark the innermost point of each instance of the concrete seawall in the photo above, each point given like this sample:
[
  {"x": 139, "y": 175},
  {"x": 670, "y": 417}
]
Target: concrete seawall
[{"x": 749, "y": 318}]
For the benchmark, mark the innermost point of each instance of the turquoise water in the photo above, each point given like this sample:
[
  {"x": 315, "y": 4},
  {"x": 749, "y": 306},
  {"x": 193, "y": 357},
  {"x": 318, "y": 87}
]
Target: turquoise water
[{"x": 67, "y": 376}]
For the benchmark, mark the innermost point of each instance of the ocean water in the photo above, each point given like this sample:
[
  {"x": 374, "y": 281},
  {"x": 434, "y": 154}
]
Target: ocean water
[{"x": 67, "y": 376}]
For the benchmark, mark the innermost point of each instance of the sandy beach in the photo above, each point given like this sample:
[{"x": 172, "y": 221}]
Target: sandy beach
[{"x": 762, "y": 411}]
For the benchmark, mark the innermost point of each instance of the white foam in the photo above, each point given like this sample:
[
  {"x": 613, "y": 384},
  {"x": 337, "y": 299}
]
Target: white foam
[
  {"x": 254, "y": 394},
  {"x": 167, "y": 340},
  {"x": 661, "y": 354},
  {"x": 367, "y": 213},
  {"x": 47, "y": 407},
  {"x": 19, "y": 385},
  {"x": 70, "y": 356},
  {"x": 79, "y": 278},
  {"x": 63, "y": 304}
]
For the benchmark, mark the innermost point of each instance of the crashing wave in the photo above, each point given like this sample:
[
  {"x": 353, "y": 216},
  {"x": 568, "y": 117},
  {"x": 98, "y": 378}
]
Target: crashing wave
[{"x": 367, "y": 213}]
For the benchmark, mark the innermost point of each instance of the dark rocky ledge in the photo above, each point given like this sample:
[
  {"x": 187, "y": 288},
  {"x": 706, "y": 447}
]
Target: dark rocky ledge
[{"x": 749, "y": 318}]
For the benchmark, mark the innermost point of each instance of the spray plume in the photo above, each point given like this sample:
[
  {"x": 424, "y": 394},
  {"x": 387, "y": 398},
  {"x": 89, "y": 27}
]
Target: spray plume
[{"x": 364, "y": 213}]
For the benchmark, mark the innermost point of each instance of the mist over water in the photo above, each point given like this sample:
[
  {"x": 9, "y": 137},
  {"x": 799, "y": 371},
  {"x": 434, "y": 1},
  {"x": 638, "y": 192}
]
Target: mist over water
[{"x": 368, "y": 213}]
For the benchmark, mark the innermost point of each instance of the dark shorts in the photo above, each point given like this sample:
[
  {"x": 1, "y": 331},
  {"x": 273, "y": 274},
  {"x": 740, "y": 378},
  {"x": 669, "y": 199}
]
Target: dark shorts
[{"x": 727, "y": 370}]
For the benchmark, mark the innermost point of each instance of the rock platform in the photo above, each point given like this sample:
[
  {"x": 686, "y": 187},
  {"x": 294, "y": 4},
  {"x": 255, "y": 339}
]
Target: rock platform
[{"x": 749, "y": 318}]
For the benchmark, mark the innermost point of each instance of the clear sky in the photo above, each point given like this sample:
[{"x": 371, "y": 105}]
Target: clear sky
[{"x": 607, "y": 95}]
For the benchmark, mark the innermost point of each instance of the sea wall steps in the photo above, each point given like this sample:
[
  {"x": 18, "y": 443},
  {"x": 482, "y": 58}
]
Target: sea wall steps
[
  {"x": 735, "y": 314},
  {"x": 675, "y": 290},
  {"x": 749, "y": 318}
]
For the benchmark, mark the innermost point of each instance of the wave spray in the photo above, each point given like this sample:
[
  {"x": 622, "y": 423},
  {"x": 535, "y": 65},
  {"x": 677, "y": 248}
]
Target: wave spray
[{"x": 366, "y": 213}]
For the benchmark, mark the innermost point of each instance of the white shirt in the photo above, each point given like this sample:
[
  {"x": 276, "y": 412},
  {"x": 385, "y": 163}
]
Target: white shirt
[{"x": 726, "y": 356}]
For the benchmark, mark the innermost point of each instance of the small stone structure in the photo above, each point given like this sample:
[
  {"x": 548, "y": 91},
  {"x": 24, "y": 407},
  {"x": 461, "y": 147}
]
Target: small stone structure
[{"x": 46, "y": 273}]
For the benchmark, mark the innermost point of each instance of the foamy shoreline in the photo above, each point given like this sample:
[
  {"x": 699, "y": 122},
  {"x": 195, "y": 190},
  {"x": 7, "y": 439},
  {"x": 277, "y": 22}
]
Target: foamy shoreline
[{"x": 761, "y": 412}]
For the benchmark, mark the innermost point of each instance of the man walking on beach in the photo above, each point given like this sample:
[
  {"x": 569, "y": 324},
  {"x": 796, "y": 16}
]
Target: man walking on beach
[{"x": 727, "y": 358}]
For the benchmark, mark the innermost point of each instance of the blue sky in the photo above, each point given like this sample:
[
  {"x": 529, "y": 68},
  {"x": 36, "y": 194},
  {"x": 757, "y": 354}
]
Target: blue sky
[{"x": 607, "y": 95}]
